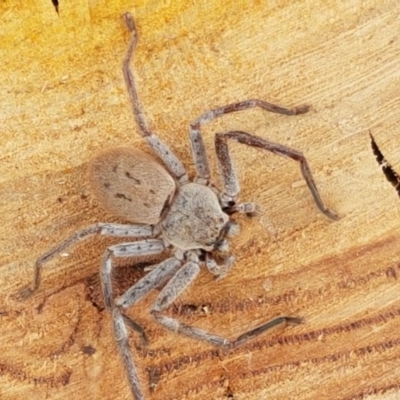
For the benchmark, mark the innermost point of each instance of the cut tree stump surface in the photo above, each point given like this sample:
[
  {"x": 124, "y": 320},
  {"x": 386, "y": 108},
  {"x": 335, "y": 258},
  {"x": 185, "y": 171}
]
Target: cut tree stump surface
[{"x": 64, "y": 100}]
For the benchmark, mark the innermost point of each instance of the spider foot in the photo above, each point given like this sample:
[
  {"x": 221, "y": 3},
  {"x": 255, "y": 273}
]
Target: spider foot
[
  {"x": 331, "y": 214},
  {"x": 302, "y": 109},
  {"x": 130, "y": 23},
  {"x": 265, "y": 327},
  {"x": 250, "y": 209},
  {"x": 294, "y": 320}
]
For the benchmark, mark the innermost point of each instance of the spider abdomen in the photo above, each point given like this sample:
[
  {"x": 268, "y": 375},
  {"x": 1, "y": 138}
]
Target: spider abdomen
[
  {"x": 131, "y": 184},
  {"x": 195, "y": 218}
]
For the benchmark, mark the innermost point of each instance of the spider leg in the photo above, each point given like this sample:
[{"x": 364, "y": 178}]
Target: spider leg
[
  {"x": 252, "y": 333},
  {"x": 122, "y": 339},
  {"x": 114, "y": 230},
  {"x": 219, "y": 270},
  {"x": 181, "y": 280},
  {"x": 161, "y": 149},
  {"x": 160, "y": 273},
  {"x": 137, "y": 328},
  {"x": 198, "y": 149},
  {"x": 141, "y": 248},
  {"x": 228, "y": 175}
]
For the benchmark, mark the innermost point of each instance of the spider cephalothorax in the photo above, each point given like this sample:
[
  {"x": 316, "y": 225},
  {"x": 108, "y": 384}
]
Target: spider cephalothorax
[{"x": 169, "y": 212}]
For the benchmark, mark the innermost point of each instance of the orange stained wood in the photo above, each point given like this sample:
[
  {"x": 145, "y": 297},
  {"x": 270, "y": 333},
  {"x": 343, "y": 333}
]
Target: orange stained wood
[{"x": 64, "y": 100}]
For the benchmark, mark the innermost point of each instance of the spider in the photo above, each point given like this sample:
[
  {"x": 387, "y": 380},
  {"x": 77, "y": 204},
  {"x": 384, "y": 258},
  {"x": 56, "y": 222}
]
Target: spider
[{"x": 192, "y": 219}]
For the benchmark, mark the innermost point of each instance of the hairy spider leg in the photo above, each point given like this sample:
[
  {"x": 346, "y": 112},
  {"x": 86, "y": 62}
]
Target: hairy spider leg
[
  {"x": 196, "y": 140},
  {"x": 228, "y": 174},
  {"x": 159, "y": 147},
  {"x": 104, "y": 229}
]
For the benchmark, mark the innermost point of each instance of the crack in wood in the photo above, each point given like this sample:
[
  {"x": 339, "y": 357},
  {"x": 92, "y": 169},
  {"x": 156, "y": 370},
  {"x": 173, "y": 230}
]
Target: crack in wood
[
  {"x": 390, "y": 174},
  {"x": 55, "y": 4}
]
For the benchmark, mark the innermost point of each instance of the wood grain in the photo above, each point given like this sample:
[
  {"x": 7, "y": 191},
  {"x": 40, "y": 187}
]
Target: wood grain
[{"x": 63, "y": 100}]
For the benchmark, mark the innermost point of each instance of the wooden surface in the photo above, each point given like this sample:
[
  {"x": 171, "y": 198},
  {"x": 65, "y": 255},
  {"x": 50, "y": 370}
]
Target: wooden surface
[{"x": 63, "y": 100}]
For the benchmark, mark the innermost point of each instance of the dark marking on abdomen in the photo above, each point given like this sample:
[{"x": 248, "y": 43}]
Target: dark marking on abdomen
[
  {"x": 128, "y": 175},
  {"x": 122, "y": 196}
]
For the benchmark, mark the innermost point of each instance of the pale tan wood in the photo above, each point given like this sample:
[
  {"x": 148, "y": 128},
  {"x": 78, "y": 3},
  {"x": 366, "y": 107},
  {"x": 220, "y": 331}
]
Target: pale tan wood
[{"x": 63, "y": 100}]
